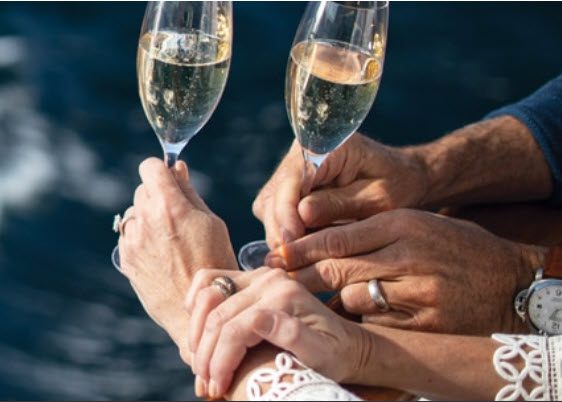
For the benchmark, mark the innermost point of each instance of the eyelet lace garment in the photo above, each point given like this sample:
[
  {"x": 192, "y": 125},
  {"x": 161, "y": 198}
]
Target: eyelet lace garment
[
  {"x": 539, "y": 377},
  {"x": 291, "y": 380}
]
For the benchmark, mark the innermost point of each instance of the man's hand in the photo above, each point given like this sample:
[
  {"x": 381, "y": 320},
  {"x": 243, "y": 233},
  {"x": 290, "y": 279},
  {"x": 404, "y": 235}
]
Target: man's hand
[
  {"x": 438, "y": 274},
  {"x": 172, "y": 235},
  {"x": 358, "y": 180}
]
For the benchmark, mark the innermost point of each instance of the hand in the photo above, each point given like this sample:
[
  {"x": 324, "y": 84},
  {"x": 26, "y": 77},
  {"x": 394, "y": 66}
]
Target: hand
[
  {"x": 359, "y": 179},
  {"x": 438, "y": 274},
  {"x": 268, "y": 306},
  {"x": 172, "y": 235}
]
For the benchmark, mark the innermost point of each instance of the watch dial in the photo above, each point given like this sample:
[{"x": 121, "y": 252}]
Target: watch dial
[{"x": 545, "y": 309}]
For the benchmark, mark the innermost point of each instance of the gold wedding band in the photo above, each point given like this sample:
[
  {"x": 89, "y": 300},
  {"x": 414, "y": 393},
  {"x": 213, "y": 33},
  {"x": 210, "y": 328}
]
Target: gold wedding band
[{"x": 225, "y": 285}]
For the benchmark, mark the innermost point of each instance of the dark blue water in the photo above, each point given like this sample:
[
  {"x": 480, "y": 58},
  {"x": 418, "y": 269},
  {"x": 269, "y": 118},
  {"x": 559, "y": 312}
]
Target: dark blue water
[{"x": 72, "y": 133}]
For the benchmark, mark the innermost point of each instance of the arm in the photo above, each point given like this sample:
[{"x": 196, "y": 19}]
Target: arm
[
  {"x": 495, "y": 160},
  {"x": 433, "y": 365}
]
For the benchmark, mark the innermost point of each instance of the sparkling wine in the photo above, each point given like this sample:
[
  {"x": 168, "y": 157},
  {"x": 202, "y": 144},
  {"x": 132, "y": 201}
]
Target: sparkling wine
[
  {"x": 330, "y": 88},
  {"x": 181, "y": 79}
]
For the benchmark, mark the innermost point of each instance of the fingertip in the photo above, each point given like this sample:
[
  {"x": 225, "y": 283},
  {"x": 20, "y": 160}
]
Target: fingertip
[
  {"x": 308, "y": 211},
  {"x": 150, "y": 164},
  {"x": 182, "y": 169}
]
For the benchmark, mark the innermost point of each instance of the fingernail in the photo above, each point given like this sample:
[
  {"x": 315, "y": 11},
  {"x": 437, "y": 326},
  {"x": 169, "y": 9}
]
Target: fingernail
[
  {"x": 214, "y": 390},
  {"x": 287, "y": 236},
  {"x": 264, "y": 326},
  {"x": 200, "y": 387}
]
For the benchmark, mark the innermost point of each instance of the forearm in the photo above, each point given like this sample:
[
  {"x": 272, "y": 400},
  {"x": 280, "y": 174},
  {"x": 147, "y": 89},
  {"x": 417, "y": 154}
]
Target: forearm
[
  {"x": 495, "y": 160},
  {"x": 433, "y": 365}
]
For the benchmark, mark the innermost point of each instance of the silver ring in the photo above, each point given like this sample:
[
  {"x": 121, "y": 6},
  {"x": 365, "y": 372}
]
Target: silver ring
[
  {"x": 377, "y": 296},
  {"x": 119, "y": 223},
  {"x": 225, "y": 285},
  {"x": 117, "y": 219}
]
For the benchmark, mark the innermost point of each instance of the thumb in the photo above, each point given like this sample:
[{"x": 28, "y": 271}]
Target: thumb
[
  {"x": 359, "y": 200},
  {"x": 181, "y": 173},
  {"x": 290, "y": 334}
]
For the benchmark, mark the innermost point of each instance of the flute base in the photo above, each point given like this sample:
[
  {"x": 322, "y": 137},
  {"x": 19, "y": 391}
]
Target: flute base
[{"x": 252, "y": 255}]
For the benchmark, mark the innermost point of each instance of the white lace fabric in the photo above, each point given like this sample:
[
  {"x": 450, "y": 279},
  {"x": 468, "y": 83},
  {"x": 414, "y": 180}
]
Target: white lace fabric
[
  {"x": 530, "y": 366},
  {"x": 291, "y": 380}
]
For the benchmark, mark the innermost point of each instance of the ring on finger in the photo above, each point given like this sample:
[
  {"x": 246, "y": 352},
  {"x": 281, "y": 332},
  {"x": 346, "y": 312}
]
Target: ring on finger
[
  {"x": 123, "y": 223},
  {"x": 377, "y": 296},
  {"x": 225, "y": 285}
]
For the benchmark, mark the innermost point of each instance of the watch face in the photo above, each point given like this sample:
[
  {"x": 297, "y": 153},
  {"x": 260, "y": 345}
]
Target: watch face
[{"x": 545, "y": 306}]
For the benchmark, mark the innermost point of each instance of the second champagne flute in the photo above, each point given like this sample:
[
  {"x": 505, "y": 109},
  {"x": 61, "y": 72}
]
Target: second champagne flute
[
  {"x": 183, "y": 61},
  {"x": 333, "y": 76}
]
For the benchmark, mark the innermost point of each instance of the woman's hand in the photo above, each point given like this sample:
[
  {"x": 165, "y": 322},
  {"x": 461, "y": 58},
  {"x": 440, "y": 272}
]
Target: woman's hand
[
  {"x": 268, "y": 306},
  {"x": 438, "y": 274},
  {"x": 170, "y": 236},
  {"x": 359, "y": 179}
]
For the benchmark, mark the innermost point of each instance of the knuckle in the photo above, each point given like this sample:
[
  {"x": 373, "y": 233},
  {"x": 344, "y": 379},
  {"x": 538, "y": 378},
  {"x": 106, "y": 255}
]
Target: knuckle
[
  {"x": 232, "y": 331},
  {"x": 205, "y": 297},
  {"x": 337, "y": 243},
  {"x": 292, "y": 332},
  {"x": 257, "y": 206},
  {"x": 351, "y": 302},
  {"x": 215, "y": 319},
  {"x": 201, "y": 277},
  {"x": 430, "y": 291},
  {"x": 331, "y": 274},
  {"x": 288, "y": 290},
  {"x": 276, "y": 275}
]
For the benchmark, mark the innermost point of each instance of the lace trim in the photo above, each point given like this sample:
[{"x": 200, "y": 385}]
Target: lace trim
[
  {"x": 531, "y": 350},
  {"x": 291, "y": 380},
  {"x": 554, "y": 347}
]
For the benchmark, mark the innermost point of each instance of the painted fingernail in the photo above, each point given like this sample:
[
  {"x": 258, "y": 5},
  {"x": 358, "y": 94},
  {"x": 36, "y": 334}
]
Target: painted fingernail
[
  {"x": 214, "y": 390},
  {"x": 200, "y": 387}
]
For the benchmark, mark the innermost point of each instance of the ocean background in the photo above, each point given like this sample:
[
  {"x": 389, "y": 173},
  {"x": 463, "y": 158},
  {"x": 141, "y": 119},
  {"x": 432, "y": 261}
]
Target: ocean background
[{"x": 72, "y": 133}]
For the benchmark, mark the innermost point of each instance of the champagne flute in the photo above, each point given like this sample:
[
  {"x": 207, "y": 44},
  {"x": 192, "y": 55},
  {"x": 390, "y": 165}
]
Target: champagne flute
[
  {"x": 183, "y": 60},
  {"x": 333, "y": 75}
]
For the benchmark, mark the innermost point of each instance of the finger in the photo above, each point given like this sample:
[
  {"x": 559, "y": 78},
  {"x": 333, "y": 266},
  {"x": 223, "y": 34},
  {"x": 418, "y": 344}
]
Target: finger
[
  {"x": 181, "y": 173},
  {"x": 334, "y": 274},
  {"x": 249, "y": 329},
  {"x": 232, "y": 345},
  {"x": 213, "y": 323},
  {"x": 273, "y": 234},
  {"x": 130, "y": 212},
  {"x": 141, "y": 196},
  {"x": 337, "y": 242},
  {"x": 357, "y": 300},
  {"x": 359, "y": 200},
  {"x": 204, "y": 277},
  {"x": 206, "y": 300},
  {"x": 287, "y": 199},
  {"x": 228, "y": 310},
  {"x": 158, "y": 179}
]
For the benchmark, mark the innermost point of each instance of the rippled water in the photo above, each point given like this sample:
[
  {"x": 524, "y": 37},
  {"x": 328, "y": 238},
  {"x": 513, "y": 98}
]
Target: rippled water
[{"x": 72, "y": 133}]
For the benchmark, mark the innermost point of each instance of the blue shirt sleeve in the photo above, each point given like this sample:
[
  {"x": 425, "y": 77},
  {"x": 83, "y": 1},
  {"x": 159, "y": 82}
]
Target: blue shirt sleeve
[{"x": 542, "y": 114}]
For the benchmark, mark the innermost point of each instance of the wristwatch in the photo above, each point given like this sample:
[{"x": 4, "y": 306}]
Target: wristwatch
[{"x": 541, "y": 304}]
